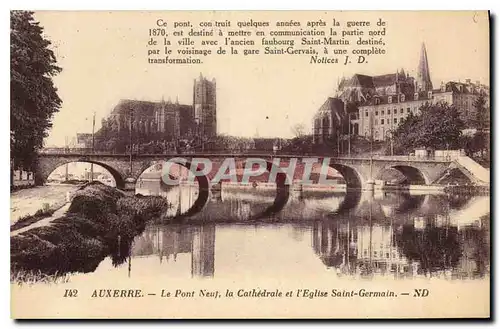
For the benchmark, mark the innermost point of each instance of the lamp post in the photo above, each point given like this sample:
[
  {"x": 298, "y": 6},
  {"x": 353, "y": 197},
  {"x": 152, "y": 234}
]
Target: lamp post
[
  {"x": 93, "y": 145},
  {"x": 391, "y": 140},
  {"x": 392, "y": 144},
  {"x": 66, "y": 177},
  {"x": 371, "y": 152},
  {"x": 198, "y": 133},
  {"x": 349, "y": 137},
  {"x": 131, "y": 115},
  {"x": 338, "y": 142}
]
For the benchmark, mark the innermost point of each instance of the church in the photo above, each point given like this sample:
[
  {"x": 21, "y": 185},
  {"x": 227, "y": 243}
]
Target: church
[
  {"x": 166, "y": 121},
  {"x": 374, "y": 106}
]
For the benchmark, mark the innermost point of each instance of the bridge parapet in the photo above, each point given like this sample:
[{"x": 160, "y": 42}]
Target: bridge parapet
[{"x": 86, "y": 152}]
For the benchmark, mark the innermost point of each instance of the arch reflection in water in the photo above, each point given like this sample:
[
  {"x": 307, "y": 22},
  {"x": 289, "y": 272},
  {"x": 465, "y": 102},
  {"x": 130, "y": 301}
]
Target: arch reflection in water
[
  {"x": 190, "y": 197},
  {"x": 431, "y": 241},
  {"x": 186, "y": 198}
]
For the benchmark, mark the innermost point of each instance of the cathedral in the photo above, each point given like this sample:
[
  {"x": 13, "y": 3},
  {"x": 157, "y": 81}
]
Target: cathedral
[
  {"x": 166, "y": 121},
  {"x": 374, "y": 106}
]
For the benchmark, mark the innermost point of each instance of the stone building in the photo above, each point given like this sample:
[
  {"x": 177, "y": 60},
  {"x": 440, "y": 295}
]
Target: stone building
[
  {"x": 340, "y": 115},
  {"x": 166, "y": 121},
  {"x": 151, "y": 120},
  {"x": 463, "y": 95},
  {"x": 376, "y": 105},
  {"x": 330, "y": 119},
  {"x": 381, "y": 115}
]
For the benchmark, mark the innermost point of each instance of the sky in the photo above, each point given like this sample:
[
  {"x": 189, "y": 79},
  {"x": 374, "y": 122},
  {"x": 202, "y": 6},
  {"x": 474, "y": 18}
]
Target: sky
[{"x": 104, "y": 59}]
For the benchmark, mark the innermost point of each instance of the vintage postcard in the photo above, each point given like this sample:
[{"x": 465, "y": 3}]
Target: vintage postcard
[{"x": 250, "y": 164}]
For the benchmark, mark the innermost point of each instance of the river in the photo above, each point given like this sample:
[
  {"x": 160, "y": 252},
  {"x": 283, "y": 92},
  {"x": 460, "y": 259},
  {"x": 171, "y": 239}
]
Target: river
[
  {"x": 345, "y": 234},
  {"x": 312, "y": 241}
]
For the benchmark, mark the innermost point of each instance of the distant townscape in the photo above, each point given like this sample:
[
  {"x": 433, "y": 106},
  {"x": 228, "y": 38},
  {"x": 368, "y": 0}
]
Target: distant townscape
[
  {"x": 364, "y": 108},
  {"x": 374, "y": 106},
  {"x": 366, "y": 115}
]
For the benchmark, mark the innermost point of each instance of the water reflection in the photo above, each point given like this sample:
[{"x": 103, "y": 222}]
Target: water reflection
[
  {"x": 167, "y": 242},
  {"x": 402, "y": 250},
  {"x": 354, "y": 235}
]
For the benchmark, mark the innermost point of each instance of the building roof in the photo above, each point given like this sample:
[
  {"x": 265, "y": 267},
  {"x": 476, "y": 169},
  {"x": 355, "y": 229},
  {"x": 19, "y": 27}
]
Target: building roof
[
  {"x": 395, "y": 99},
  {"x": 329, "y": 105},
  {"x": 462, "y": 88},
  {"x": 143, "y": 107},
  {"x": 361, "y": 80},
  {"x": 371, "y": 82},
  {"x": 126, "y": 105},
  {"x": 385, "y": 80}
]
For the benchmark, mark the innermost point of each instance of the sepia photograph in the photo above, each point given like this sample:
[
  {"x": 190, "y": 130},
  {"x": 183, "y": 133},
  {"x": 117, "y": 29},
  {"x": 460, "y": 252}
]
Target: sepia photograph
[{"x": 250, "y": 164}]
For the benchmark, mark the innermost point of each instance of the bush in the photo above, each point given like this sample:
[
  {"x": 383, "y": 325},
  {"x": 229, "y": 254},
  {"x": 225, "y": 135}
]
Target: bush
[{"x": 100, "y": 221}]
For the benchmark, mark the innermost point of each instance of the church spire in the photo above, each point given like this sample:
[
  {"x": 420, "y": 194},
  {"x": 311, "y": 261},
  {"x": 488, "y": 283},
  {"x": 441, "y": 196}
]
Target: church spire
[{"x": 423, "y": 75}]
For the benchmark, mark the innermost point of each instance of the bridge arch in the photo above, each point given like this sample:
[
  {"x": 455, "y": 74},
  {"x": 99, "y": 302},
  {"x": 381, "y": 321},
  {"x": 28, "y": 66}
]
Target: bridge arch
[
  {"x": 353, "y": 178},
  {"x": 51, "y": 166},
  {"x": 203, "y": 187},
  {"x": 412, "y": 175}
]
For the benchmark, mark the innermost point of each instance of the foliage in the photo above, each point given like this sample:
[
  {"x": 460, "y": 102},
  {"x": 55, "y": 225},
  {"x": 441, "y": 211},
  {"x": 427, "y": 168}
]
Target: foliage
[
  {"x": 473, "y": 144},
  {"x": 299, "y": 144},
  {"x": 363, "y": 145},
  {"x": 33, "y": 97},
  {"x": 231, "y": 143},
  {"x": 101, "y": 221},
  {"x": 26, "y": 277},
  {"x": 481, "y": 120},
  {"x": 438, "y": 126},
  {"x": 299, "y": 130},
  {"x": 480, "y": 141}
]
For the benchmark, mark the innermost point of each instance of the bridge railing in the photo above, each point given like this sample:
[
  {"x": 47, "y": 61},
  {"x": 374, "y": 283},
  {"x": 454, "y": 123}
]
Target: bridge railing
[
  {"x": 89, "y": 152},
  {"x": 82, "y": 151}
]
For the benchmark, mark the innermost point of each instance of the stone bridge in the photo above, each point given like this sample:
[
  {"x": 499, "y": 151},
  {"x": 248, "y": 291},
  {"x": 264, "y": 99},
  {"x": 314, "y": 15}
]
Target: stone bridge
[{"x": 358, "y": 172}]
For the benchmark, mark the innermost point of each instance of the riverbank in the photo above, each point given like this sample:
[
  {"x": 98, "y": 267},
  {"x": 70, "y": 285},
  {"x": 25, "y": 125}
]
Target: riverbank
[
  {"x": 100, "y": 221},
  {"x": 40, "y": 218},
  {"x": 27, "y": 202}
]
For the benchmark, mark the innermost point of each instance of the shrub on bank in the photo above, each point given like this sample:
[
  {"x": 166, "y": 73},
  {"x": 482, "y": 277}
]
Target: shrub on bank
[{"x": 100, "y": 221}]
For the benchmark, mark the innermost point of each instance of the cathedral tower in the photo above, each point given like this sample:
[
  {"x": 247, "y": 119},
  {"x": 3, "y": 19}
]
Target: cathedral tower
[
  {"x": 205, "y": 109},
  {"x": 423, "y": 75}
]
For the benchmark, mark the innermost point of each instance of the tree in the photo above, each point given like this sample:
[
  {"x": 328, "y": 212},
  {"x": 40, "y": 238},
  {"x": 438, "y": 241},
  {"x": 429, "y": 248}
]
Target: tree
[
  {"x": 481, "y": 115},
  {"x": 33, "y": 96},
  {"x": 298, "y": 129},
  {"x": 438, "y": 126},
  {"x": 301, "y": 145},
  {"x": 481, "y": 122}
]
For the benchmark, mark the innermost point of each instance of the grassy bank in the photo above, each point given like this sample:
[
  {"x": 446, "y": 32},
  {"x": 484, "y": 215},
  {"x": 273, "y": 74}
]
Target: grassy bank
[
  {"x": 100, "y": 221},
  {"x": 30, "y": 219}
]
